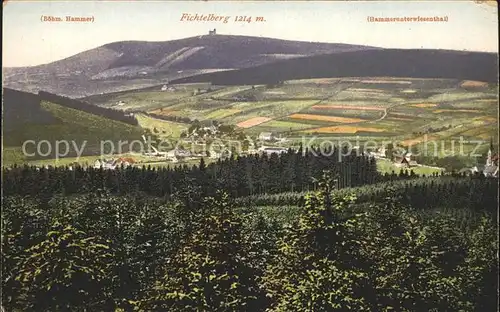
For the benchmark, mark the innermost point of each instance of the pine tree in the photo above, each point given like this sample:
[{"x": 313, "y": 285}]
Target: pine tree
[
  {"x": 209, "y": 272},
  {"x": 313, "y": 269},
  {"x": 67, "y": 271}
]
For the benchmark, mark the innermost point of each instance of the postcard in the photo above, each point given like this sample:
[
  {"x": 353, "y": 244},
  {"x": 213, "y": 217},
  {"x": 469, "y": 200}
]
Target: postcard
[{"x": 250, "y": 156}]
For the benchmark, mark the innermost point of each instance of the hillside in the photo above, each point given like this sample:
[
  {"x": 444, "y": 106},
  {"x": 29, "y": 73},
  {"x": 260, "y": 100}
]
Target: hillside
[
  {"x": 142, "y": 63},
  {"x": 22, "y": 107},
  {"x": 78, "y": 128},
  {"x": 375, "y": 63}
]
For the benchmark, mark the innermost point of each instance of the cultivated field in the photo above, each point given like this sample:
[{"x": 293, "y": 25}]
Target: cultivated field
[
  {"x": 407, "y": 111},
  {"x": 403, "y": 110},
  {"x": 333, "y": 119},
  {"x": 252, "y": 122}
]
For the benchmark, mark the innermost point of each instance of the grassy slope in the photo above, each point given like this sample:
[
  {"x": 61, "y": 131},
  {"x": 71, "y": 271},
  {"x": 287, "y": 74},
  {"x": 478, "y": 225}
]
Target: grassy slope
[
  {"x": 386, "y": 166},
  {"x": 164, "y": 128},
  {"x": 73, "y": 126}
]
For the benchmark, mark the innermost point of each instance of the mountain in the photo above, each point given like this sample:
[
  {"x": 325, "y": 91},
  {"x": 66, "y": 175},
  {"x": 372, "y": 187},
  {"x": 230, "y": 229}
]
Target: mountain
[
  {"x": 126, "y": 65},
  {"x": 412, "y": 63}
]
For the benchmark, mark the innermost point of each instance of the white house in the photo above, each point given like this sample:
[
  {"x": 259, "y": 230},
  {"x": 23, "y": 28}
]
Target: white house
[
  {"x": 379, "y": 153},
  {"x": 104, "y": 164},
  {"x": 273, "y": 150},
  {"x": 168, "y": 88},
  {"x": 178, "y": 153},
  {"x": 112, "y": 163},
  {"x": 267, "y": 136},
  {"x": 215, "y": 155}
]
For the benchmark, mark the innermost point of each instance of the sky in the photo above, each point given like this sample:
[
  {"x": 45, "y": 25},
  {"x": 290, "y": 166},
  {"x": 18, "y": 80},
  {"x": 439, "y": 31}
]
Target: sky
[{"x": 28, "y": 41}]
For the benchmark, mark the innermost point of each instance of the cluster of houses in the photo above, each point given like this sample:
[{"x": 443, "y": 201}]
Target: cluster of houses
[
  {"x": 404, "y": 160},
  {"x": 272, "y": 150},
  {"x": 489, "y": 169},
  {"x": 270, "y": 137},
  {"x": 113, "y": 163},
  {"x": 204, "y": 132}
]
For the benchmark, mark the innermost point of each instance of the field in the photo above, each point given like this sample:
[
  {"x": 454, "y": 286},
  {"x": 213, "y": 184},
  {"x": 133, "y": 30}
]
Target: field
[
  {"x": 349, "y": 107},
  {"x": 402, "y": 110},
  {"x": 145, "y": 99},
  {"x": 423, "y": 105},
  {"x": 282, "y": 125},
  {"x": 252, "y": 122},
  {"x": 325, "y": 118},
  {"x": 437, "y": 111},
  {"x": 161, "y": 128},
  {"x": 386, "y": 166},
  {"x": 222, "y": 113},
  {"x": 343, "y": 129}
]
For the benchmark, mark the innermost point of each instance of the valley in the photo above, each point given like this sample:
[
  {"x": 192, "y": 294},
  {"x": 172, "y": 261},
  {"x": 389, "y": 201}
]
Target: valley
[{"x": 441, "y": 117}]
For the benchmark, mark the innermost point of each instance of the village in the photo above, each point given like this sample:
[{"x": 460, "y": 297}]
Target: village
[
  {"x": 197, "y": 136},
  {"x": 266, "y": 142}
]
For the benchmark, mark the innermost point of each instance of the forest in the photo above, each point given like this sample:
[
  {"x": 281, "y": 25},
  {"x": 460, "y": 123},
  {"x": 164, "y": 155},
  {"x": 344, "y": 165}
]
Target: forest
[
  {"x": 239, "y": 176},
  {"x": 291, "y": 233}
]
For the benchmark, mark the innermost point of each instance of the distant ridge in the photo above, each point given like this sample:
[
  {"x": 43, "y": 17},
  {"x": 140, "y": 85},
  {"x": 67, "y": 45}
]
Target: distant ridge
[
  {"x": 229, "y": 59},
  {"x": 446, "y": 64},
  {"x": 149, "y": 63}
]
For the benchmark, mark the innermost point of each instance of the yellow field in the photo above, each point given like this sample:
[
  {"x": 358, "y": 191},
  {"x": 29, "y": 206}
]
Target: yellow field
[
  {"x": 425, "y": 138},
  {"x": 475, "y": 133},
  {"x": 166, "y": 128},
  {"x": 222, "y": 113},
  {"x": 424, "y": 105},
  {"x": 409, "y": 91},
  {"x": 473, "y": 84},
  {"x": 331, "y": 106},
  {"x": 400, "y": 114},
  {"x": 324, "y": 118},
  {"x": 163, "y": 112},
  {"x": 344, "y": 129},
  {"x": 386, "y": 81},
  {"x": 437, "y": 111},
  {"x": 252, "y": 122},
  {"x": 484, "y": 136},
  {"x": 488, "y": 119},
  {"x": 366, "y": 90},
  {"x": 398, "y": 118}
]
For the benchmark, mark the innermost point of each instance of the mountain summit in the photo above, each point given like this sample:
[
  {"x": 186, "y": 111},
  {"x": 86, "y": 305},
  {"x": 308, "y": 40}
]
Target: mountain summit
[{"x": 134, "y": 62}]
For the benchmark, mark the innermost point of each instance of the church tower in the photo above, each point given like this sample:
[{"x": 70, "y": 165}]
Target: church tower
[{"x": 489, "y": 160}]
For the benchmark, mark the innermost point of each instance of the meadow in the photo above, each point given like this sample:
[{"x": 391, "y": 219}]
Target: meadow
[{"x": 161, "y": 128}]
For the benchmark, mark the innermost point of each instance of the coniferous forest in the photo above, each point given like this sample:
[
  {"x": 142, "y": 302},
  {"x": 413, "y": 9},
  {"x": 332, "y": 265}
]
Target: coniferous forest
[
  {"x": 239, "y": 176},
  {"x": 259, "y": 233}
]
